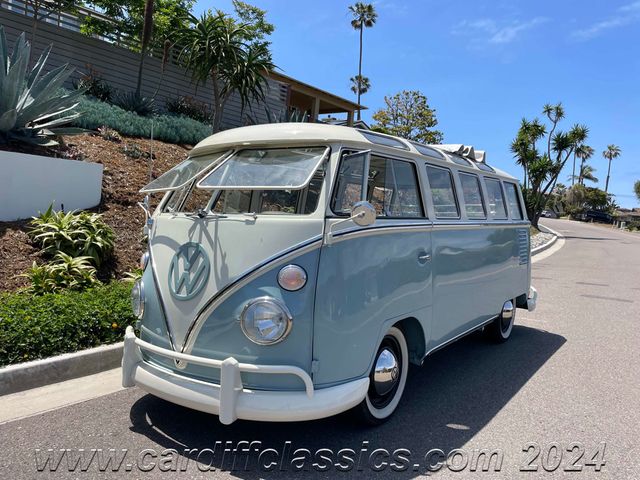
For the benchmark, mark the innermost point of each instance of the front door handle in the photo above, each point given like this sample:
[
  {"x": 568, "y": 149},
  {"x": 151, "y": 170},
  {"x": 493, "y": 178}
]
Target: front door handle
[{"x": 424, "y": 257}]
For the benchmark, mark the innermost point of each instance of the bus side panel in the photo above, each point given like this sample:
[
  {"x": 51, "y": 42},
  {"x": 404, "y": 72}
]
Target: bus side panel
[
  {"x": 365, "y": 283},
  {"x": 475, "y": 271}
]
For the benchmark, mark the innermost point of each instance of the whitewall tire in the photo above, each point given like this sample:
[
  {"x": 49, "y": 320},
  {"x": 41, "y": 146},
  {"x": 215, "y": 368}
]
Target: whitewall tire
[
  {"x": 500, "y": 329},
  {"x": 387, "y": 379}
]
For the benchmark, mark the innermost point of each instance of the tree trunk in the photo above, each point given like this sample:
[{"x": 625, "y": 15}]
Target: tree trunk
[
  {"x": 140, "y": 70},
  {"x": 218, "y": 109},
  {"x": 606, "y": 185},
  {"x": 359, "y": 80},
  {"x": 573, "y": 176}
]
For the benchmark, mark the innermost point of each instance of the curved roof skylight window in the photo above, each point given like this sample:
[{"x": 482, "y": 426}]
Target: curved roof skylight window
[{"x": 383, "y": 140}]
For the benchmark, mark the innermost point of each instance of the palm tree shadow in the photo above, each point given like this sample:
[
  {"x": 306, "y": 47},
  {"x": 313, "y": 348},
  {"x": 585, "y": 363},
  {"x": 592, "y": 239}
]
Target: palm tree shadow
[{"x": 446, "y": 402}]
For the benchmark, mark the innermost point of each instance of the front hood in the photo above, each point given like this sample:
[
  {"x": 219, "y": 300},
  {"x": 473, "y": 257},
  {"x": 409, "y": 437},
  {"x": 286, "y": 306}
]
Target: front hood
[{"x": 195, "y": 258}]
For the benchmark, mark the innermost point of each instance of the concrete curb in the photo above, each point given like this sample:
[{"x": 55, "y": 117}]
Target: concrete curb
[
  {"x": 24, "y": 376},
  {"x": 550, "y": 243}
]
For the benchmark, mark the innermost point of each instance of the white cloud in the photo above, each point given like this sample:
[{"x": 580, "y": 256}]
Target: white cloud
[
  {"x": 491, "y": 31},
  {"x": 625, "y": 15}
]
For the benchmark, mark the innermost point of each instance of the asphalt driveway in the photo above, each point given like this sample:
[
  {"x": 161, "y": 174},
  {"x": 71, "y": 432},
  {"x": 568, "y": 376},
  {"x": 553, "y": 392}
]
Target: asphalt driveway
[{"x": 562, "y": 394}]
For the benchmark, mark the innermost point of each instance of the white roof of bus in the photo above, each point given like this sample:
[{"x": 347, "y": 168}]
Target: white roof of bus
[{"x": 299, "y": 133}]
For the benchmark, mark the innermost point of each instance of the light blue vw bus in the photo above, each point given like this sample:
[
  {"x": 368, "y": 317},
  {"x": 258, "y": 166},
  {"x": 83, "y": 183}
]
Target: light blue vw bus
[{"x": 294, "y": 271}]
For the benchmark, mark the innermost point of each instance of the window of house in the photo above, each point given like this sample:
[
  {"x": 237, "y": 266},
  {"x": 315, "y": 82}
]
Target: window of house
[
  {"x": 514, "y": 201},
  {"x": 472, "y": 194},
  {"x": 443, "y": 193},
  {"x": 497, "y": 206}
]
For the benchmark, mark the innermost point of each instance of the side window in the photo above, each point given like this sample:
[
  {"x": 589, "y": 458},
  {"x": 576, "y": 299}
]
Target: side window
[
  {"x": 348, "y": 189},
  {"x": 514, "y": 201},
  {"x": 393, "y": 188},
  {"x": 442, "y": 192},
  {"x": 497, "y": 207},
  {"x": 472, "y": 194}
]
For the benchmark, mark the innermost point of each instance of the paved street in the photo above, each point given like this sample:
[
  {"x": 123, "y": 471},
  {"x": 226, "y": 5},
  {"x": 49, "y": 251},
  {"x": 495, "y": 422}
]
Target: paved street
[{"x": 569, "y": 374}]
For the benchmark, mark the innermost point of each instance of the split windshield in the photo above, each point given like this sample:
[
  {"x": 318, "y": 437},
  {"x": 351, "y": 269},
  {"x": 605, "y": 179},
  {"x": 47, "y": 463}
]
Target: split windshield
[
  {"x": 280, "y": 180},
  {"x": 183, "y": 173},
  {"x": 267, "y": 169}
]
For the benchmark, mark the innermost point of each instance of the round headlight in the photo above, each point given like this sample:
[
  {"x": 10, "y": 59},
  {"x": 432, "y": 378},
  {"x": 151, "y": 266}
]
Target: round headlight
[
  {"x": 292, "y": 277},
  {"x": 137, "y": 298},
  {"x": 265, "y": 320},
  {"x": 144, "y": 259}
]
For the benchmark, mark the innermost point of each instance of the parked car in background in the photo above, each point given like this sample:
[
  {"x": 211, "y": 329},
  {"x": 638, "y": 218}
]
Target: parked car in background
[
  {"x": 595, "y": 216},
  {"x": 549, "y": 214}
]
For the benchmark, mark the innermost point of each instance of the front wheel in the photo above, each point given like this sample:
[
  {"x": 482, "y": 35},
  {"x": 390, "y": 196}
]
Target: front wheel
[
  {"x": 500, "y": 329},
  {"x": 387, "y": 379}
]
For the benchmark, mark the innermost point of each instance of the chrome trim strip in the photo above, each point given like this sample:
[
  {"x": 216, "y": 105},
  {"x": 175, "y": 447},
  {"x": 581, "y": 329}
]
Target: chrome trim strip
[
  {"x": 272, "y": 262},
  {"x": 423, "y": 226},
  {"x": 457, "y": 337}
]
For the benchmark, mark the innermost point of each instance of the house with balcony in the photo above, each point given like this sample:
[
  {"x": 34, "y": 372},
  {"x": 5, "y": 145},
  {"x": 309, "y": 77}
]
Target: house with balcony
[{"x": 117, "y": 63}]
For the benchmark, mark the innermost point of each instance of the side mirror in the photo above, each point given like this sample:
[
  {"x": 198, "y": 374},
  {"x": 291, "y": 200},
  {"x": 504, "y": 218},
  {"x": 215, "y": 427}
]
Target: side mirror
[{"x": 363, "y": 214}]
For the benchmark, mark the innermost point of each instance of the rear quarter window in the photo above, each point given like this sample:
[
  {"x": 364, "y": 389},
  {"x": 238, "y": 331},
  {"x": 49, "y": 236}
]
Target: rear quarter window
[
  {"x": 497, "y": 205},
  {"x": 514, "y": 201}
]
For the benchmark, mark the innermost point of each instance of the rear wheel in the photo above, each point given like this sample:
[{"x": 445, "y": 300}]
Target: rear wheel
[
  {"x": 387, "y": 379},
  {"x": 500, "y": 329}
]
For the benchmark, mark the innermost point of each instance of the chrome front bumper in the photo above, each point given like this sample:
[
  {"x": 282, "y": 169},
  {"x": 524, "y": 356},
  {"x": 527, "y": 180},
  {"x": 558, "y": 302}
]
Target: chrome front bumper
[{"x": 230, "y": 400}]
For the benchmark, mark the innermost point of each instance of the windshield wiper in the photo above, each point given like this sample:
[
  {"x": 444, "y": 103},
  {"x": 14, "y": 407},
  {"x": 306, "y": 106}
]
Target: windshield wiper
[{"x": 202, "y": 213}]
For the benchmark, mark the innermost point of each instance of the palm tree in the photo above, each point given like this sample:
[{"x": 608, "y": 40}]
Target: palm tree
[
  {"x": 213, "y": 48},
  {"x": 584, "y": 153},
  {"x": 587, "y": 173},
  {"x": 612, "y": 151},
  {"x": 364, "y": 15},
  {"x": 360, "y": 84}
]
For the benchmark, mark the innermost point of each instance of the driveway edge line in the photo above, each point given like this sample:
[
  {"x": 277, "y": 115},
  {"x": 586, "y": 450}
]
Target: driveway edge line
[{"x": 38, "y": 373}]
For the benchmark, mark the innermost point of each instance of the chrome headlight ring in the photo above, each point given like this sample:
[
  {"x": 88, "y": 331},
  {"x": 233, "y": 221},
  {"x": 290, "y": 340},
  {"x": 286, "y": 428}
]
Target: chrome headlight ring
[
  {"x": 137, "y": 299},
  {"x": 266, "y": 321}
]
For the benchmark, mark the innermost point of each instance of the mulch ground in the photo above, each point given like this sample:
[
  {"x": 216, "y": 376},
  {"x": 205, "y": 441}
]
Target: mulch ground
[{"x": 123, "y": 177}]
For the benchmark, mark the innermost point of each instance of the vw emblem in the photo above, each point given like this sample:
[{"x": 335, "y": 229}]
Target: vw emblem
[{"x": 189, "y": 271}]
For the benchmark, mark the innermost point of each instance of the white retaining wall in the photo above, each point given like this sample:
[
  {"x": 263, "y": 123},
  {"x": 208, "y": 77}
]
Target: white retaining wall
[{"x": 30, "y": 183}]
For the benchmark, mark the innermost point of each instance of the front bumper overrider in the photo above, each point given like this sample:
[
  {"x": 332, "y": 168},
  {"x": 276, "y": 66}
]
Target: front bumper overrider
[{"x": 230, "y": 400}]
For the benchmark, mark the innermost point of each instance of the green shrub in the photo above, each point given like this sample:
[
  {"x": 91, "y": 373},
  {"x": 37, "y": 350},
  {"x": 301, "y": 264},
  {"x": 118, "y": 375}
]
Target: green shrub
[
  {"x": 39, "y": 327},
  {"x": 63, "y": 272},
  {"x": 91, "y": 83},
  {"x": 73, "y": 233},
  {"x": 189, "y": 107},
  {"x": 167, "y": 128}
]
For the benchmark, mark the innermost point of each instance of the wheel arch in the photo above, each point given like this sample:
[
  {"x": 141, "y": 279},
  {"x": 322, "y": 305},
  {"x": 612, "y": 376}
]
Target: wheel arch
[{"x": 414, "y": 335}]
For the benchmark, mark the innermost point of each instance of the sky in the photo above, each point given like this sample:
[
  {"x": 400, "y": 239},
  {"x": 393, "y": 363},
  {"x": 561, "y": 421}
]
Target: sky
[{"x": 484, "y": 65}]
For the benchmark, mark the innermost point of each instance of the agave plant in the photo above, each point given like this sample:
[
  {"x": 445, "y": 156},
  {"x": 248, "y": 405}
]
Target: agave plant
[{"x": 32, "y": 106}]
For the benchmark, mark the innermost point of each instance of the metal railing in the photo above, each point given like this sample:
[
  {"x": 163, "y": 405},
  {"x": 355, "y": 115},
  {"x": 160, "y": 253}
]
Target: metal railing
[{"x": 74, "y": 21}]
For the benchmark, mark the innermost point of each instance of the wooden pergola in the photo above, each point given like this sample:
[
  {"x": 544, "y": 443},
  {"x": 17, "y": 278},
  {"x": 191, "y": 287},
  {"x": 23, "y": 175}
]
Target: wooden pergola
[{"x": 307, "y": 98}]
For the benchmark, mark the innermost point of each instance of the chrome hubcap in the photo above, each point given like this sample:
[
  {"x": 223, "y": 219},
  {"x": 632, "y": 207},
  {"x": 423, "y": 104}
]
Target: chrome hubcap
[
  {"x": 386, "y": 372},
  {"x": 507, "y": 315}
]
